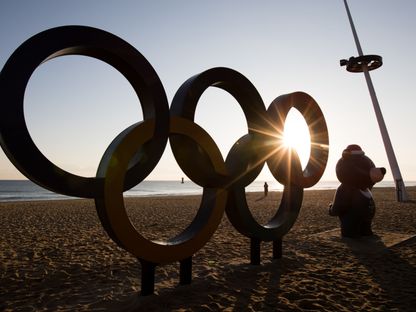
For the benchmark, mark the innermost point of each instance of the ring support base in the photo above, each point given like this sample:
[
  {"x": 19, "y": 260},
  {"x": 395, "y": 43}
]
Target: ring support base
[
  {"x": 185, "y": 271},
  {"x": 255, "y": 245},
  {"x": 148, "y": 275}
]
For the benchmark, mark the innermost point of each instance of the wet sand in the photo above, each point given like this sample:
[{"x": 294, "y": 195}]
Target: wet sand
[{"x": 56, "y": 256}]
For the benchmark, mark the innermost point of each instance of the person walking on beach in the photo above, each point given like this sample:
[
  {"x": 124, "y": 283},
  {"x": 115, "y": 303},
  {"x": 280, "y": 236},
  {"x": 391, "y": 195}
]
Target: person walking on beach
[{"x": 266, "y": 189}]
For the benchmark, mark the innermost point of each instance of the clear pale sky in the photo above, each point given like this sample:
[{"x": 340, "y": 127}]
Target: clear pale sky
[{"x": 75, "y": 106}]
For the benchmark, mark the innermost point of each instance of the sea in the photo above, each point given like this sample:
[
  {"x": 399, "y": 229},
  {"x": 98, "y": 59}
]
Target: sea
[{"x": 25, "y": 190}]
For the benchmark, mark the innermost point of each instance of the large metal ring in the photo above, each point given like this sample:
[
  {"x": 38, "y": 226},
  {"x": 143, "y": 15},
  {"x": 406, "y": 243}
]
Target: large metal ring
[
  {"x": 111, "y": 209},
  {"x": 77, "y": 40},
  {"x": 318, "y": 131},
  {"x": 189, "y": 157},
  {"x": 240, "y": 215}
]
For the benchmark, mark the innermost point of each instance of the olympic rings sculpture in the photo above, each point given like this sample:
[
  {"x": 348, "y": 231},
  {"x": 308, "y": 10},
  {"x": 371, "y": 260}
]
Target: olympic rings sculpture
[{"x": 136, "y": 151}]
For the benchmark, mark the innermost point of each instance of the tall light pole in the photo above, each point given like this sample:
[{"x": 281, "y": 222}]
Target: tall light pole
[{"x": 365, "y": 63}]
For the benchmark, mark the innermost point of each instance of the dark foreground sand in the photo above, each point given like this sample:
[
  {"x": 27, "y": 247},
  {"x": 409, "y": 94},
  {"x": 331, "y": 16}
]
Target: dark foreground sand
[{"x": 56, "y": 256}]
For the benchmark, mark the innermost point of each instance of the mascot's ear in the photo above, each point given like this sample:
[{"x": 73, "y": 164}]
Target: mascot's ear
[{"x": 377, "y": 174}]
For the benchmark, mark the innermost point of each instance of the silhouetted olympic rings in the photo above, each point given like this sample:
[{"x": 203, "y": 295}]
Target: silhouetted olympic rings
[{"x": 136, "y": 151}]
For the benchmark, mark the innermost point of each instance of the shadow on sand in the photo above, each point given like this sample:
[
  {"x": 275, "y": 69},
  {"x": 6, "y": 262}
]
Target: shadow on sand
[{"x": 394, "y": 274}]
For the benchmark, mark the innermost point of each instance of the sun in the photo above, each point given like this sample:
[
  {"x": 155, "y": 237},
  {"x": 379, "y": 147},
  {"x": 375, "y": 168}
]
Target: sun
[{"x": 296, "y": 135}]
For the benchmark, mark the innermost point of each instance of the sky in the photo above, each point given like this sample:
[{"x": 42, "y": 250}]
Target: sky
[{"x": 75, "y": 105}]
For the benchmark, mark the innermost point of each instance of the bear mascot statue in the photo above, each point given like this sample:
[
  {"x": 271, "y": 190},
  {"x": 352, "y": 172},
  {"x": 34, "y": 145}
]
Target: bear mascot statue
[{"x": 353, "y": 202}]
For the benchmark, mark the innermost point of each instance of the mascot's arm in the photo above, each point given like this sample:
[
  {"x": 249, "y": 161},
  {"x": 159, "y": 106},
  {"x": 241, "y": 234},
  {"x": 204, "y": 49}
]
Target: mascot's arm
[{"x": 341, "y": 202}]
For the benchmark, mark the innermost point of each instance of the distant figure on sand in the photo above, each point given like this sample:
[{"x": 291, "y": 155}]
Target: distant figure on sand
[
  {"x": 353, "y": 201},
  {"x": 182, "y": 181},
  {"x": 266, "y": 189}
]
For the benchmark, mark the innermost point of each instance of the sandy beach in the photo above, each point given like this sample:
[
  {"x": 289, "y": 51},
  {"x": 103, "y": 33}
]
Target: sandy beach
[{"x": 56, "y": 256}]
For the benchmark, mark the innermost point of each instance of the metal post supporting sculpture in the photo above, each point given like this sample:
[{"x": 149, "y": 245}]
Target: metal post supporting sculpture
[
  {"x": 364, "y": 64},
  {"x": 134, "y": 153}
]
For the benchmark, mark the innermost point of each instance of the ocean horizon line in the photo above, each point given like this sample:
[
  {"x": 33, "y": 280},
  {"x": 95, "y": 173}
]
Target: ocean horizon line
[{"x": 26, "y": 190}]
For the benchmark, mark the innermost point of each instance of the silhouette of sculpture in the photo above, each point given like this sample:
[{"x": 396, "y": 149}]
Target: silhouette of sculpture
[
  {"x": 135, "y": 152},
  {"x": 353, "y": 201}
]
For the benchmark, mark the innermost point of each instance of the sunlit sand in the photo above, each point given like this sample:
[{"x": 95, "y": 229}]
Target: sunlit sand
[{"x": 55, "y": 255}]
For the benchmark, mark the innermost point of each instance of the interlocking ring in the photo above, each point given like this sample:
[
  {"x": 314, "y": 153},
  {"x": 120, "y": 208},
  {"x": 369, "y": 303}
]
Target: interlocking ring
[
  {"x": 184, "y": 104},
  {"x": 315, "y": 120},
  {"x": 135, "y": 152},
  {"x": 112, "y": 211},
  {"x": 77, "y": 40}
]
